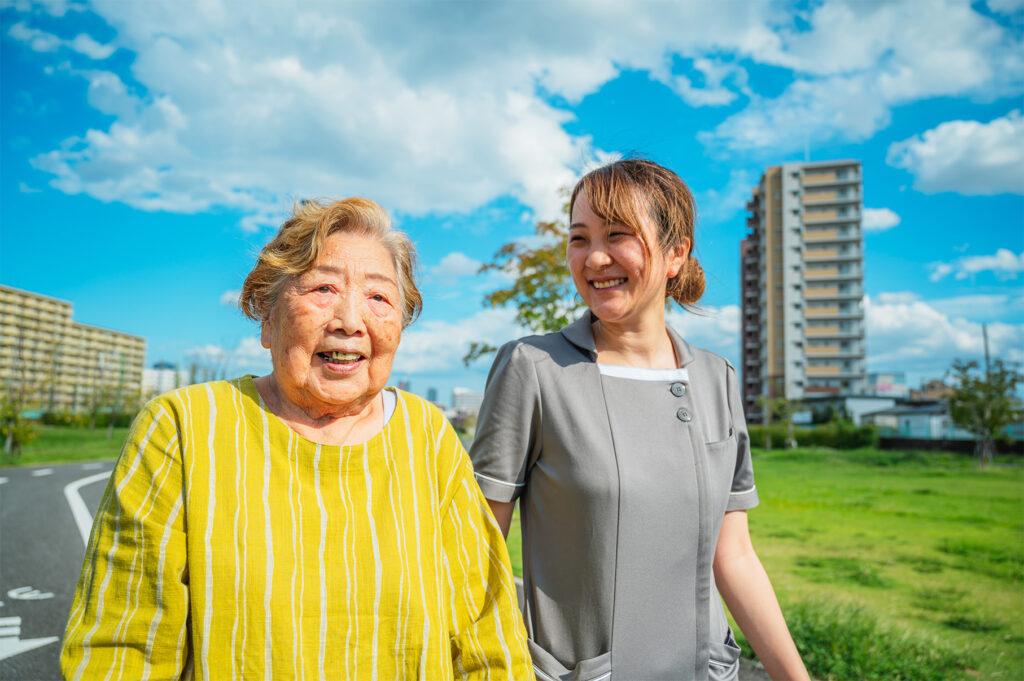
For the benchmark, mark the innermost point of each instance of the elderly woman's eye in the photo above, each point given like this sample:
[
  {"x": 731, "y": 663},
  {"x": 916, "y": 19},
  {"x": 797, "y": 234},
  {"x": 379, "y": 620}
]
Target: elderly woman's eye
[
  {"x": 379, "y": 298},
  {"x": 323, "y": 289}
]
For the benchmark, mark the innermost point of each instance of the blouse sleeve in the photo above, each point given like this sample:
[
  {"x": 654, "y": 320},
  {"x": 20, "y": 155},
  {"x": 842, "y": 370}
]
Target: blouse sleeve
[
  {"x": 743, "y": 494},
  {"x": 508, "y": 426},
  {"x": 488, "y": 639},
  {"x": 129, "y": 616}
]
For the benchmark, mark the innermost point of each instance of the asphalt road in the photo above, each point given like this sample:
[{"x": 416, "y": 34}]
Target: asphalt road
[
  {"x": 41, "y": 550},
  {"x": 42, "y": 543}
]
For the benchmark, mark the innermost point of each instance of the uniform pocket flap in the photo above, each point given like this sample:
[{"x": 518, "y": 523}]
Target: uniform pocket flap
[{"x": 548, "y": 668}]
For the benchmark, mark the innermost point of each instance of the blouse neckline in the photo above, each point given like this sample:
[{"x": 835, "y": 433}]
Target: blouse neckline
[{"x": 248, "y": 387}]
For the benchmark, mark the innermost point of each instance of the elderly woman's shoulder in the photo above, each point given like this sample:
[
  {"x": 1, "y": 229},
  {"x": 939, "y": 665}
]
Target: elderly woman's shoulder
[
  {"x": 208, "y": 394},
  {"x": 415, "y": 404}
]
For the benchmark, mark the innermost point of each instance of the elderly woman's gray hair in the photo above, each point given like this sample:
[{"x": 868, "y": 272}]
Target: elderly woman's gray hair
[{"x": 296, "y": 247}]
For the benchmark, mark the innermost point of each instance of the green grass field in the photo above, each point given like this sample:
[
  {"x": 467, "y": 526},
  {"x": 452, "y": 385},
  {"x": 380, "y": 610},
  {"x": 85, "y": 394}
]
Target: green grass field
[
  {"x": 914, "y": 558},
  {"x": 890, "y": 565},
  {"x": 61, "y": 444}
]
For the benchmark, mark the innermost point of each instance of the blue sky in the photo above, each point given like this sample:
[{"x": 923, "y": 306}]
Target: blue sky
[{"x": 151, "y": 148}]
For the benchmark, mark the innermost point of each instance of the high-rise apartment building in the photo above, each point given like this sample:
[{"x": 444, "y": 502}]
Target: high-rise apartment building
[
  {"x": 802, "y": 284},
  {"x": 59, "y": 363}
]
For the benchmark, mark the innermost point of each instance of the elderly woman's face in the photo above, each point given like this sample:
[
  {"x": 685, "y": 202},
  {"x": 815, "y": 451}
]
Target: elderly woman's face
[{"x": 334, "y": 330}]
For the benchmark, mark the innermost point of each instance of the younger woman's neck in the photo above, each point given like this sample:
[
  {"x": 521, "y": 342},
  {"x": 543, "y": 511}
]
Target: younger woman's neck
[{"x": 641, "y": 343}]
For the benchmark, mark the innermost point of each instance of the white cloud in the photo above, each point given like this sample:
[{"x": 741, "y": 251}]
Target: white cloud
[
  {"x": 249, "y": 356},
  {"x": 967, "y": 157},
  {"x": 940, "y": 270},
  {"x": 714, "y": 329},
  {"x": 916, "y": 336},
  {"x": 230, "y": 298},
  {"x": 716, "y": 206},
  {"x": 980, "y": 306},
  {"x": 1005, "y": 6},
  {"x": 857, "y": 60},
  {"x": 245, "y": 111},
  {"x": 898, "y": 298},
  {"x": 455, "y": 265},
  {"x": 1004, "y": 264},
  {"x": 26, "y": 189},
  {"x": 41, "y": 41},
  {"x": 879, "y": 219},
  {"x": 715, "y": 74},
  {"x": 435, "y": 346}
]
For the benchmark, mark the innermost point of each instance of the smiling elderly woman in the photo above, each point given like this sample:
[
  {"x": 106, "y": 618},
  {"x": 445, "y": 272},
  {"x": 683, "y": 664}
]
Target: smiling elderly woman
[{"x": 308, "y": 523}]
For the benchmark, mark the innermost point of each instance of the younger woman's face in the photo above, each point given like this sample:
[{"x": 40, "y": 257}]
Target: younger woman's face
[{"x": 613, "y": 274}]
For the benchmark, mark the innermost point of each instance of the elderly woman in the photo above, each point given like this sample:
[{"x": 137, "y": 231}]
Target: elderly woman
[{"x": 305, "y": 524}]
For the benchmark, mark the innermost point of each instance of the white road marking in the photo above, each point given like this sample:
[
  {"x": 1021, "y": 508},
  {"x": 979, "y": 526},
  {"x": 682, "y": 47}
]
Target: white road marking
[
  {"x": 40, "y": 472},
  {"x": 3, "y": 480},
  {"x": 78, "y": 508},
  {"x": 92, "y": 465},
  {"x": 11, "y": 645},
  {"x": 27, "y": 593}
]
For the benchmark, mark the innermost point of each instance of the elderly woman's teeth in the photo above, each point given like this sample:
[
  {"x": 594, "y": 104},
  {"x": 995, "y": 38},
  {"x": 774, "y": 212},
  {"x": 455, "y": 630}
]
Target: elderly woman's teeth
[
  {"x": 607, "y": 284},
  {"x": 341, "y": 356}
]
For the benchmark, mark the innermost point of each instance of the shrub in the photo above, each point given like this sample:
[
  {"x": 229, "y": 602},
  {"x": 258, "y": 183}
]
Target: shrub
[
  {"x": 843, "y": 642},
  {"x": 834, "y": 434},
  {"x": 64, "y": 418}
]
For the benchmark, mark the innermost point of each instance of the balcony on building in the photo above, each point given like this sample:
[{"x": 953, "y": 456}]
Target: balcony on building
[
  {"x": 832, "y": 234},
  {"x": 825, "y": 177},
  {"x": 834, "y": 196}
]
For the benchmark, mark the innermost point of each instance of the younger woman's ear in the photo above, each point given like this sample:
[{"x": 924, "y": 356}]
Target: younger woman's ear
[{"x": 677, "y": 256}]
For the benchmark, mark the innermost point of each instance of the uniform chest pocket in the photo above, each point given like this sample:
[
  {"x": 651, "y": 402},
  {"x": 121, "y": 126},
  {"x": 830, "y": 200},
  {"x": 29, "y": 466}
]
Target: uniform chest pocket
[
  {"x": 721, "y": 445},
  {"x": 721, "y": 461}
]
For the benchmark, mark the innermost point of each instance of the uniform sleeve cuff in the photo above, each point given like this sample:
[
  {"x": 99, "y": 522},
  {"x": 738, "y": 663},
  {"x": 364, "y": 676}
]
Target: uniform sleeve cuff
[
  {"x": 743, "y": 500},
  {"x": 499, "y": 490}
]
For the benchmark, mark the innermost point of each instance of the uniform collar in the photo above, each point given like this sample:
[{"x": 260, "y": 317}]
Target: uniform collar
[{"x": 581, "y": 334}]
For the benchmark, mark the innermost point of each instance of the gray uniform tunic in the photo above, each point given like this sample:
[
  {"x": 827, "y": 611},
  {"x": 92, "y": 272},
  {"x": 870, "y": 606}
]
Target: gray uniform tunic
[{"x": 622, "y": 486}]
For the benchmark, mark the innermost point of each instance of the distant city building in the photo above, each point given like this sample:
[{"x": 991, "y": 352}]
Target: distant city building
[
  {"x": 404, "y": 384},
  {"x": 466, "y": 401},
  {"x": 802, "y": 273},
  {"x": 432, "y": 395},
  {"x": 893, "y": 384},
  {"x": 163, "y": 377},
  {"x": 60, "y": 363},
  {"x": 931, "y": 390}
]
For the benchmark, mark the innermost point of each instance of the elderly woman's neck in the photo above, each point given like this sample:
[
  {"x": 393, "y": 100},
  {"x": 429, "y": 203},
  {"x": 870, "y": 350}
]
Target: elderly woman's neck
[{"x": 329, "y": 424}]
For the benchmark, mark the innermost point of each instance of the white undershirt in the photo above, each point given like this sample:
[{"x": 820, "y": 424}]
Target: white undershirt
[
  {"x": 644, "y": 374},
  {"x": 390, "y": 401}
]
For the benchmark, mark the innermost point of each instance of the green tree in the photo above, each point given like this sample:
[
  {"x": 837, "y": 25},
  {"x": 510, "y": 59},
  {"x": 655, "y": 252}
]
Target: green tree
[
  {"x": 984, "y": 403},
  {"x": 779, "y": 409},
  {"x": 20, "y": 394},
  {"x": 541, "y": 291}
]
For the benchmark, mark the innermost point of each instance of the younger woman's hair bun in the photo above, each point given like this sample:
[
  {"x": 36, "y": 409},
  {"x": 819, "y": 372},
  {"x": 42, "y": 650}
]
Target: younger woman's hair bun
[{"x": 687, "y": 287}]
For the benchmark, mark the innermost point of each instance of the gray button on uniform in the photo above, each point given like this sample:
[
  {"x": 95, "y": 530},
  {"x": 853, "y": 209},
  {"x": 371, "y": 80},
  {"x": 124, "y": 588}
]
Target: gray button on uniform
[
  {"x": 678, "y": 389},
  {"x": 683, "y": 415}
]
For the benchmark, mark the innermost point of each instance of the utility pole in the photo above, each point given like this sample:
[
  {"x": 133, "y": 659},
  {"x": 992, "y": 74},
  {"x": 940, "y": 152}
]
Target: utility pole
[{"x": 984, "y": 335}]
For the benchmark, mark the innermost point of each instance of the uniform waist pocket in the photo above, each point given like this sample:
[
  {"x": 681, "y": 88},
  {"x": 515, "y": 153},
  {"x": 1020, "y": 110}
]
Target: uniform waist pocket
[
  {"x": 547, "y": 668},
  {"x": 724, "y": 664}
]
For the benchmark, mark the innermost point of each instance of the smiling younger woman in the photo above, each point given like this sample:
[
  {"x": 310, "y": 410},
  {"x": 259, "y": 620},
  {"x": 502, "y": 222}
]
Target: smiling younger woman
[
  {"x": 627, "y": 450},
  {"x": 310, "y": 523}
]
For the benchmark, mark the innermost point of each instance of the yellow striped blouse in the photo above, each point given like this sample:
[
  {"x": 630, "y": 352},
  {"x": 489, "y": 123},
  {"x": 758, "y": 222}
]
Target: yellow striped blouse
[{"x": 229, "y": 547}]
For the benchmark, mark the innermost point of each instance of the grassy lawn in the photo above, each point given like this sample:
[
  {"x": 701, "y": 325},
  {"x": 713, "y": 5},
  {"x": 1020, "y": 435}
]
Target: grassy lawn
[
  {"x": 61, "y": 444},
  {"x": 924, "y": 545}
]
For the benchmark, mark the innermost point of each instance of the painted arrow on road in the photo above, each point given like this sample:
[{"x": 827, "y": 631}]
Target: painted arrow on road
[{"x": 11, "y": 644}]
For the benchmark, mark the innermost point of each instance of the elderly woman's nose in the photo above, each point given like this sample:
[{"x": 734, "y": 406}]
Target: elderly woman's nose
[{"x": 347, "y": 315}]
